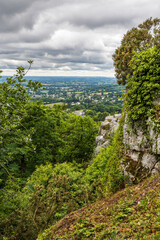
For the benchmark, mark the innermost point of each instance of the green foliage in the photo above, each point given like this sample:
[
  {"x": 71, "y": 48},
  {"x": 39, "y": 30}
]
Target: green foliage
[
  {"x": 106, "y": 165},
  {"x": 78, "y": 135},
  {"x": 83, "y": 229},
  {"x": 43, "y": 124},
  {"x": 58, "y": 136},
  {"x": 146, "y": 35},
  {"x": 11, "y": 197},
  {"x": 33, "y": 134},
  {"x": 98, "y": 111},
  {"x": 13, "y": 98},
  {"x": 122, "y": 211},
  {"x": 143, "y": 86},
  {"x": 49, "y": 194},
  {"x": 46, "y": 152},
  {"x": 132, "y": 213},
  {"x": 41, "y": 175}
]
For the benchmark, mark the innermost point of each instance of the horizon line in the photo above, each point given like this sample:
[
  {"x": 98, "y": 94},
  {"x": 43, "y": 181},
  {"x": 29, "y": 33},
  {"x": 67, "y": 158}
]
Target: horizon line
[{"x": 60, "y": 76}]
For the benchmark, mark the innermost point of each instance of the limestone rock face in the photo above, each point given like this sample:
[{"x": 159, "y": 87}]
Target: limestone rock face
[
  {"x": 106, "y": 129},
  {"x": 140, "y": 141},
  {"x": 142, "y": 147},
  {"x": 142, "y": 151}
]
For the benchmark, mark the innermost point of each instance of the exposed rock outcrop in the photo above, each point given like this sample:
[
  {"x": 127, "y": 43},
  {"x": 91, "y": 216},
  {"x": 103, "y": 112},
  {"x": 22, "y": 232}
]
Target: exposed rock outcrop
[
  {"x": 142, "y": 147},
  {"x": 142, "y": 151},
  {"x": 106, "y": 130}
]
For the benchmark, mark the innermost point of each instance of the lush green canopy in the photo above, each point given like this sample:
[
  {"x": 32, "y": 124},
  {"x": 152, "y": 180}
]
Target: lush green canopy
[
  {"x": 32, "y": 133},
  {"x": 143, "y": 86},
  {"x": 146, "y": 35}
]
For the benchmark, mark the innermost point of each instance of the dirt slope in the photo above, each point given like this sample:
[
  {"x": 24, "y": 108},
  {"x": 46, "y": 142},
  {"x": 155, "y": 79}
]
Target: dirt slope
[{"x": 133, "y": 213}]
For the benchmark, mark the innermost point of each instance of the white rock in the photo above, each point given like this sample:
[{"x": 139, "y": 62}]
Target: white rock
[
  {"x": 148, "y": 161},
  {"x": 107, "y": 127},
  {"x": 100, "y": 140}
]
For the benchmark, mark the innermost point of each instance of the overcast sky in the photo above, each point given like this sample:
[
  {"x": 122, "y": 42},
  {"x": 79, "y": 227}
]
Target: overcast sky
[{"x": 67, "y": 37}]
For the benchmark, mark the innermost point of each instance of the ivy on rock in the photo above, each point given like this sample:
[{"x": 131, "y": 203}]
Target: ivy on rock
[{"x": 143, "y": 87}]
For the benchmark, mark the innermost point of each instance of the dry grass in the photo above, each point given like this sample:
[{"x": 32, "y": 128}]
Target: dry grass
[{"x": 133, "y": 213}]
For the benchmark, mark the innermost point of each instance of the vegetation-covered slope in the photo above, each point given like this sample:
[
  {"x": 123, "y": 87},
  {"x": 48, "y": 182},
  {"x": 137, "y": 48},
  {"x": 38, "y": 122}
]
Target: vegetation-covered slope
[
  {"x": 133, "y": 213},
  {"x": 48, "y": 171}
]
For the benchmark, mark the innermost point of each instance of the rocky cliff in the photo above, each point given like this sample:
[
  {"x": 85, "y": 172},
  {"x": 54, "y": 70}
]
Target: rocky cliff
[
  {"x": 142, "y": 147},
  {"x": 106, "y": 130},
  {"x": 142, "y": 152}
]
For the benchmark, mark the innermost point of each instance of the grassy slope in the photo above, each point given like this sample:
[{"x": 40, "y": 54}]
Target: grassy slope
[{"x": 133, "y": 213}]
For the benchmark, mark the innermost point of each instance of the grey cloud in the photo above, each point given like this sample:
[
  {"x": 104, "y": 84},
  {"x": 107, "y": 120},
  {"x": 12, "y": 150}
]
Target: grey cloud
[
  {"x": 11, "y": 7},
  {"x": 95, "y": 14},
  {"x": 72, "y": 34}
]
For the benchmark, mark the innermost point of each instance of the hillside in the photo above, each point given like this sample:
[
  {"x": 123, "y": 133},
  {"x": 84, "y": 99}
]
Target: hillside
[
  {"x": 59, "y": 180},
  {"x": 132, "y": 213}
]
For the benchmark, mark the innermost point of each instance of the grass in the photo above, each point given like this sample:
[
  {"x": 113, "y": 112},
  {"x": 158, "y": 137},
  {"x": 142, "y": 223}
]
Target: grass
[
  {"x": 52, "y": 104},
  {"x": 133, "y": 213}
]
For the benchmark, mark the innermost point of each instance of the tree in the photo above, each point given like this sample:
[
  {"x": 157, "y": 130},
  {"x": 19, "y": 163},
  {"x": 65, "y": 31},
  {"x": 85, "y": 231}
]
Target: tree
[
  {"x": 143, "y": 87},
  {"x": 13, "y": 98},
  {"x": 43, "y": 124},
  {"x": 146, "y": 35},
  {"x": 78, "y": 136}
]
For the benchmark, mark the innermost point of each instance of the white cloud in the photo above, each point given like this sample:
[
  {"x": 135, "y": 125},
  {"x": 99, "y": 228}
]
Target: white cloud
[{"x": 67, "y": 37}]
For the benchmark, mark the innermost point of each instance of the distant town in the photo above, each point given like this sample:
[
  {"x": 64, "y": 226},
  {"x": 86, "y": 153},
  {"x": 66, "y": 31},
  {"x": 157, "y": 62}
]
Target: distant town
[{"x": 94, "y": 96}]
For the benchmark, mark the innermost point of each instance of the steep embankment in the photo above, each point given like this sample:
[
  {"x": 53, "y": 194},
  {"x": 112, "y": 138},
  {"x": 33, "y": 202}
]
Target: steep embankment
[{"x": 133, "y": 213}]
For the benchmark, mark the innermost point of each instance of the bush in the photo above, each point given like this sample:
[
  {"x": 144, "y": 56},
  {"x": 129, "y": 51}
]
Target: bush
[
  {"x": 50, "y": 193},
  {"x": 143, "y": 87},
  {"x": 106, "y": 165}
]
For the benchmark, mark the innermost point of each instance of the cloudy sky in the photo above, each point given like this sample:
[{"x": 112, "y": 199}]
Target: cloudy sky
[{"x": 67, "y": 37}]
